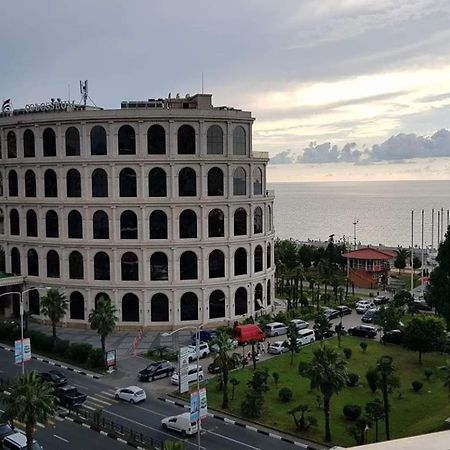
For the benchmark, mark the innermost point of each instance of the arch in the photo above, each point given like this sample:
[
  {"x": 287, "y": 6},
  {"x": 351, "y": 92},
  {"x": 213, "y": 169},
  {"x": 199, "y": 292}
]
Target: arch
[
  {"x": 72, "y": 142},
  {"x": 127, "y": 183},
  {"x": 186, "y": 140},
  {"x": 76, "y": 269},
  {"x": 156, "y": 140},
  {"x": 50, "y": 183},
  {"x": 128, "y": 225},
  {"x": 51, "y": 224},
  {"x": 53, "y": 270},
  {"x": 11, "y": 144},
  {"x": 240, "y": 302},
  {"x": 158, "y": 225},
  {"x": 216, "y": 223},
  {"x": 130, "y": 308},
  {"x": 14, "y": 222},
  {"x": 29, "y": 146},
  {"x": 216, "y": 264},
  {"x": 269, "y": 218},
  {"x": 13, "y": 186},
  {"x": 269, "y": 293},
  {"x": 188, "y": 224},
  {"x": 76, "y": 306},
  {"x": 102, "y": 269},
  {"x": 269, "y": 256},
  {"x": 159, "y": 308},
  {"x": 100, "y": 225},
  {"x": 157, "y": 183},
  {"x": 189, "y": 306},
  {"x": 49, "y": 142},
  {"x": 34, "y": 302},
  {"x": 30, "y": 184},
  {"x": 2, "y": 224},
  {"x": 126, "y": 138},
  {"x": 258, "y": 297},
  {"x": 214, "y": 140},
  {"x": 215, "y": 182},
  {"x": 240, "y": 222},
  {"x": 239, "y": 141},
  {"x": 99, "y": 183},
  {"x": 75, "y": 225},
  {"x": 258, "y": 259},
  {"x": 257, "y": 181},
  {"x": 98, "y": 141},
  {"x": 15, "y": 261},
  {"x": 100, "y": 295},
  {"x": 1, "y": 178},
  {"x": 2, "y": 260},
  {"x": 187, "y": 182},
  {"x": 32, "y": 225},
  {"x": 73, "y": 183},
  {"x": 188, "y": 266},
  {"x": 257, "y": 221},
  {"x": 130, "y": 267},
  {"x": 240, "y": 261},
  {"x": 159, "y": 267},
  {"x": 216, "y": 304},
  {"x": 239, "y": 182},
  {"x": 33, "y": 262}
]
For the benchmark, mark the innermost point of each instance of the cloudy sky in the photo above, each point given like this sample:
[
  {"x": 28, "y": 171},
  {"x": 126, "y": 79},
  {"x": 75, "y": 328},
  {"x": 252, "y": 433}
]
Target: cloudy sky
[{"x": 340, "y": 89}]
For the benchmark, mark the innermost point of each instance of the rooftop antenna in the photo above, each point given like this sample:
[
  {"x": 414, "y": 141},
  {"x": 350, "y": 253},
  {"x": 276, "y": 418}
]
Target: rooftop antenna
[
  {"x": 84, "y": 93},
  {"x": 203, "y": 91},
  {"x": 355, "y": 222}
]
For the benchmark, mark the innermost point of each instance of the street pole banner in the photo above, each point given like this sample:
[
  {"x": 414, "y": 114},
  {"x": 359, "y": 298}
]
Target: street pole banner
[
  {"x": 26, "y": 349},
  {"x": 18, "y": 351},
  {"x": 203, "y": 404},
  {"x": 183, "y": 369},
  {"x": 194, "y": 406}
]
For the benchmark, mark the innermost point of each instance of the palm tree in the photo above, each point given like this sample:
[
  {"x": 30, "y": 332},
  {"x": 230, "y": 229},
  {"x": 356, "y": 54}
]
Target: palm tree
[
  {"x": 327, "y": 374},
  {"x": 31, "y": 401},
  {"x": 375, "y": 412},
  {"x": 54, "y": 305},
  {"x": 446, "y": 370},
  {"x": 173, "y": 445},
  {"x": 103, "y": 319}
]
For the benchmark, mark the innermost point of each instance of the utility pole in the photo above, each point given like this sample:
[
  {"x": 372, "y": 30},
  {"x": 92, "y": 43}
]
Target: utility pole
[
  {"x": 355, "y": 222},
  {"x": 412, "y": 252}
]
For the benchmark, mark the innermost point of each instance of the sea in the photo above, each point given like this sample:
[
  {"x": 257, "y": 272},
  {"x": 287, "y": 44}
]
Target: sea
[{"x": 385, "y": 212}]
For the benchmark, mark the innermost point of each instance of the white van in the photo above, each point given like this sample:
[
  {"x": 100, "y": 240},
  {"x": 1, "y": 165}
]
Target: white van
[
  {"x": 192, "y": 375},
  {"x": 275, "y": 329},
  {"x": 181, "y": 423},
  {"x": 306, "y": 336}
]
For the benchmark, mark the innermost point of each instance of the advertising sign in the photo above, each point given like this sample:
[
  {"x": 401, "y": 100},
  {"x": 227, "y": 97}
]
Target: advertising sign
[
  {"x": 183, "y": 368},
  {"x": 194, "y": 406},
  {"x": 26, "y": 349},
  {"x": 199, "y": 402},
  {"x": 203, "y": 404},
  {"x": 18, "y": 350},
  {"x": 111, "y": 358}
]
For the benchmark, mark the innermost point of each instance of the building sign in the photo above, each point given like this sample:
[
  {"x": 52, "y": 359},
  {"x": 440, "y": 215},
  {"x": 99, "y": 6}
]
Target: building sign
[
  {"x": 183, "y": 369},
  {"x": 111, "y": 358},
  {"x": 18, "y": 350},
  {"x": 54, "y": 105}
]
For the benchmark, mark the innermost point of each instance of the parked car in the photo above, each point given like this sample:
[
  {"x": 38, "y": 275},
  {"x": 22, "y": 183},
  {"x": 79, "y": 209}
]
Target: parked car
[
  {"x": 192, "y": 375},
  {"x": 156, "y": 369},
  {"x": 392, "y": 337},
  {"x": 343, "y": 330},
  {"x": 132, "y": 394},
  {"x": 214, "y": 367},
  {"x": 275, "y": 329},
  {"x": 366, "y": 331},
  {"x": 69, "y": 396},
  {"x": 325, "y": 335},
  {"x": 420, "y": 305},
  {"x": 277, "y": 348},
  {"x": 203, "y": 351},
  {"x": 249, "y": 332},
  {"x": 54, "y": 377},
  {"x": 369, "y": 315},
  {"x": 306, "y": 336},
  {"x": 181, "y": 423},
  {"x": 343, "y": 310},
  {"x": 363, "y": 305},
  {"x": 300, "y": 324},
  {"x": 381, "y": 300},
  {"x": 205, "y": 336},
  {"x": 18, "y": 441},
  {"x": 5, "y": 430},
  {"x": 331, "y": 313},
  {"x": 215, "y": 348}
]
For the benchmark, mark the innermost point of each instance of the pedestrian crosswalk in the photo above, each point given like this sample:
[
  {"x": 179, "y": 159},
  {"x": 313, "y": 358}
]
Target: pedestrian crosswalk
[{"x": 97, "y": 401}]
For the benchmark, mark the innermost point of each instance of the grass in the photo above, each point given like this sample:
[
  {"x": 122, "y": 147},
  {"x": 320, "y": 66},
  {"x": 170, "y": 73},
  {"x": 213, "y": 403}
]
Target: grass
[{"x": 411, "y": 413}]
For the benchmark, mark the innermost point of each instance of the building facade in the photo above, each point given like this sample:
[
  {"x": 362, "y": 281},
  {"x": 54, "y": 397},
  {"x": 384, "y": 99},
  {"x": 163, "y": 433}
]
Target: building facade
[{"x": 160, "y": 205}]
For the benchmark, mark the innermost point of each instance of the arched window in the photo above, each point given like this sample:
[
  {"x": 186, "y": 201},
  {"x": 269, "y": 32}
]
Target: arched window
[
  {"x": 158, "y": 225},
  {"x": 269, "y": 293},
  {"x": 159, "y": 308},
  {"x": 269, "y": 256},
  {"x": 216, "y": 304},
  {"x": 216, "y": 223},
  {"x": 240, "y": 261},
  {"x": 240, "y": 302},
  {"x": 239, "y": 141},
  {"x": 214, "y": 140},
  {"x": 34, "y": 302},
  {"x": 130, "y": 308},
  {"x": 130, "y": 267},
  {"x": 101, "y": 295},
  {"x": 14, "y": 222},
  {"x": 100, "y": 225},
  {"x": 98, "y": 141},
  {"x": 257, "y": 221},
  {"x": 75, "y": 223},
  {"x": 15, "y": 261},
  {"x": 30, "y": 184},
  {"x": 159, "y": 267},
  {"x": 126, "y": 140},
  {"x": 216, "y": 264},
  {"x": 156, "y": 140},
  {"x": 186, "y": 140},
  {"x": 269, "y": 218},
  {"x": 2, "y": 260},
  {"x": 99, "y": 183},
  {"x": 13, "y": 186},
  {"x": 33, "y": 263},
  {"x": 49, "y": 142},
  {"x": 1, "y": 177},
  {"x": 53, "y": 264},
  {"x": 76, "y": 306},
  {"x": 189, "y": 306},
  {"x": 101, "y": 266},
  {"x": 73, "y": 182},
  {"x": 257, "y": 181},
  {"x": 128, "y": 225},
  {"x": 239, "y": 182},
  {"x": 215, "y": 182},
  {"x": 258, "y": 297},
  {"x": 2, "y": 224},
  {"x": 240, "y": 222},
  {"x": 127, "y": 183},
  {"x": 188, "y": 224},
  {"x": 72, "y": 142},
  {"x": 51, "y": 224},
  {"x": 157, "y": 183},
  {"x": 188, "y": 266},
  {"x": 11, "y": 144},
  {"x": 76, "y": 270},
  {"x": 258, "y": 262},
  {"x": 29, "y": 148},
  {"x": 50, "y": 183},
  {"x": 32, "y": 225},
  {"x": 187, "y": 183}
]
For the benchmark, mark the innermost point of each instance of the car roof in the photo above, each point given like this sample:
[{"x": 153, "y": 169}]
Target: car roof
[
  {"x": 277, "y": 343},
  {"x": 133, "y": 388},
  {"x": 194, "y": 366},
  {"x": 17, "y": 438}
]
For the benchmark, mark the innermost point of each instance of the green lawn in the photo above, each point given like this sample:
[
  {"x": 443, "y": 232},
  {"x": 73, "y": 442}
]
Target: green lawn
[{"x": 411, "y": 413}]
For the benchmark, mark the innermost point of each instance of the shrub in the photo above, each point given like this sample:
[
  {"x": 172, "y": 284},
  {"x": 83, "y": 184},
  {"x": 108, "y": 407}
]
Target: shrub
[
  {"x": 252, "y": 405},
  {"x": 428, "y": 373},
  {"x": 276, "y": 377},
  {"x": 372, "y": 378},
  {"x": 285, "y": 395},
  {"x": 348, "y": 353},
  {"x": 96, "y": 358},
  {"x": 79, "y": 352},
  {"x": 352, "y": 412},
  {"x": 47, "y": 343},
  {"x": 353, "y": 379},
  {"x": 416, "y": 385},
  {"x": 60, "y": 346},
  {"x": 363, "y": 346}
]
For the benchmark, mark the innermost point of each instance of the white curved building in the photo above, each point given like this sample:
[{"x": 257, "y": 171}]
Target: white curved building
[{"x": 160, "y": 205}]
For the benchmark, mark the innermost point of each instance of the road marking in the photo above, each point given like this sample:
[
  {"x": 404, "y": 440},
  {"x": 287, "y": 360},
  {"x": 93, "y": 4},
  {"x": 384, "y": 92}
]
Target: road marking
[
  {"x": 61, "y": 438},
  {"x": 81, "y": 386},
  {"x": 95, "y": 399},
  {"x": 232, "y": 440},
  {"x": 150, "y": 410},
  {"x": 89, "y": 407},
  {"x": 109, "y": 394},
  {"x": 106, "y": 398}
]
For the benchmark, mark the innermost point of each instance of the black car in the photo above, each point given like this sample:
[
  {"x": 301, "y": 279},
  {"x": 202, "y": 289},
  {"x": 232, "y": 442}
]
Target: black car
[
  {"x": 368, "y": 316},
  {"x": 420, "y": 306},
  {"x": 320, "y": 336},
  {"x": 69, "y": 396},
  {"x": 392, "y": 337},
  {"x": 381, "y": 300},
  {"x": 363, "y": 331},
  {"x": 5, "y": 430},
  {"x": 54, "y": 377},
  {"x": 343, "y": 310},
  {"x": 214, "y": 368},
  {"x": 331, "y": 313},
  {"x": 157, "y": 369}
]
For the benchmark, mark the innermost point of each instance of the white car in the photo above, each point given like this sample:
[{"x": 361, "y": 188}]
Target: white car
[
  {"x": 277, "y": 348},
  {"x": 203, "y": 351},
  {"x": 192, "y": 375},
  {"x": 132, "y": 394},
  {"x": 363, "y": 305},
  {"x": 181, "y": 423},
  {"x": 300, "y": 324},
  {"x": 215, "y": 348}
]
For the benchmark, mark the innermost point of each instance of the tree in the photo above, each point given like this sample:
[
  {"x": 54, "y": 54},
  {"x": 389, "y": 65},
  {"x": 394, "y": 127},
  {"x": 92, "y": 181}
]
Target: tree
[
  {"x": 417, "y": 263},
  {"x": 31, "y": 401},
  {"x": 103, "y": 319},
  {"x": 54, "y": 305},
  {"x": 446, "y": 370},
  {"x": 328, "y": 374},
  {"x": 424, "y": 333},
  {"x": 173, "y": 445},
  {"x": 400, "y": 259},
  {"x": 403, "y": 298},
  {"x": 303, "y": 423},
  {"x": 253, "y": 403},
  {"x": 234, "y": 382},
  {"x": 388, "y": 318},
  {"x": 375, "y": 412},
  {"x": 321, "y": 326},
  {"x": 292, "y": 343}
]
